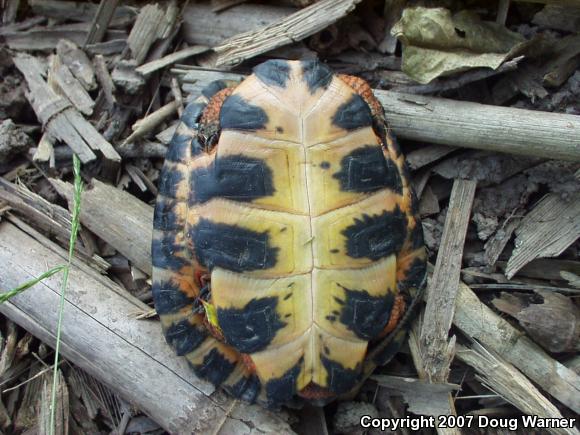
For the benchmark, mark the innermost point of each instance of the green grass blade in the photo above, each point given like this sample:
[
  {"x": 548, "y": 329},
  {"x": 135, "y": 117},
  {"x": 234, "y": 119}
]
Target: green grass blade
[
  {"x": 9, "y": 294},
  {"x": 78, "y": 187}
]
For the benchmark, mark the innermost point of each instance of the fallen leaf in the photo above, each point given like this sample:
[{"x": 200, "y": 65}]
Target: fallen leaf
[{"x": 437, "y": 43}]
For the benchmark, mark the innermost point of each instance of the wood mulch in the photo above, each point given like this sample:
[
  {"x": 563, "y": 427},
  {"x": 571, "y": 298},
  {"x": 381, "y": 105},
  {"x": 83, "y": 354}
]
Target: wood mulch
[{"x": 494, "y": 156}]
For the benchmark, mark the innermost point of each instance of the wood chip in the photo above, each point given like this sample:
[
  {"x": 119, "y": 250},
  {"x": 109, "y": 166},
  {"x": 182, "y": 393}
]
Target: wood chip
[
  {"x": 61, "y": 421},
  {"x": 101, "y": 20},
  {"x": 46, "y": 39},
  {"x": 427, "y": 154},
  {"x": 546, "y": 231},
  {"x": 77, "y": 62},
  {"x": 553, "y": 321},
  {"x": 423, "y": 398},
  {"x": 153, "y": 22},
  {"x": 79, "y": 11},
  {"x": 293, "y": 28},
  {"x": 64, "y": 83},
  {"x": 105, "y": 80},
  {"x": 170, "y": 59}
]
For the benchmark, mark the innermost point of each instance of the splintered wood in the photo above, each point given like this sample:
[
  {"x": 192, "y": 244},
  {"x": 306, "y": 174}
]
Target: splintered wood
[
  {"x": 478, "y": 321},
  {"x": 60, "y": 119},
  {"x": 444, "y": 284},
  {"x": 504, "y": 379},
  {"x": 293, "y": 28}
]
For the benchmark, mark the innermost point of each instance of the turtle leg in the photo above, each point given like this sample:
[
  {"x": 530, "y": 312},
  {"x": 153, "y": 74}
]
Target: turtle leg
[{"x": 176, "y": 275}]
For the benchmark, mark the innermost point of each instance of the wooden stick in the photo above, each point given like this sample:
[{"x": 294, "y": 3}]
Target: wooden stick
[
  {"x": 460, "y": 123},
  {"x": 102, "y": 336},
  {"x": 105, "y": 80},
  {"x": 443, "y": 403},
  {"x": 151, "y": 67},
  {"x": 51, "y": 218},
  {"x": 295, "y": 27},
  {"x": 445, "y": 282},
  {"x": 145, "y": 125}
]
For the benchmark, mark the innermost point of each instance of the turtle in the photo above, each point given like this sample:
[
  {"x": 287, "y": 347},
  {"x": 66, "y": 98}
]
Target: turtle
[{"x": 287, "y": 249}]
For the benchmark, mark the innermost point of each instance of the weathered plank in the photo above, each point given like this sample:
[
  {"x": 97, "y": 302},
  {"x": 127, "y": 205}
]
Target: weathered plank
[
  {"x": 101, "y": 335},
  {"x": 202, "y": 25}
]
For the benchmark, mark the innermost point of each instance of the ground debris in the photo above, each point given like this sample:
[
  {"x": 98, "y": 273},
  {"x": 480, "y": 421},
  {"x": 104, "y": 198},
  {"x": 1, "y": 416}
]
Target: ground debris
[
  {"x": 13, "y": 141},
  {"x": 483, "y": 100},
  {"x": 551, "y": 319}
]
